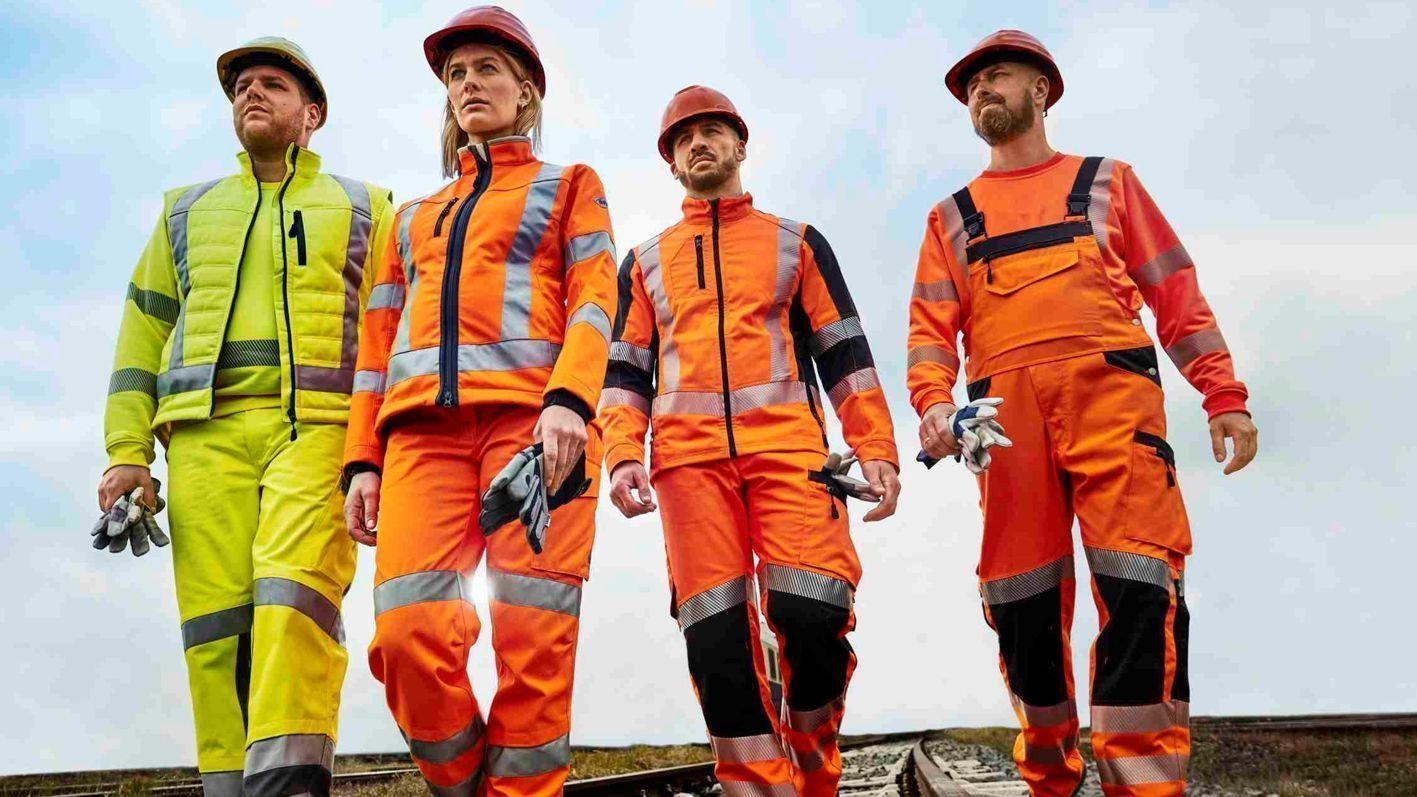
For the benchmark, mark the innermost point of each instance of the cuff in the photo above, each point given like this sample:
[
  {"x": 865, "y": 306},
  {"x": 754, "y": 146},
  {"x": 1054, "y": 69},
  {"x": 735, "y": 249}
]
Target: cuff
[
  {"x": 621, "y": 453},
  {"x": 354, "y": 469},
  {"x": 929, "y": 398},
  {"x": 1225, "y": 401},
  {"x": 883, "y": 450},
  {"x": 370, "y": 455},
  {"x": 562, "y": 397},
  {"x": 129, "y": 454}
]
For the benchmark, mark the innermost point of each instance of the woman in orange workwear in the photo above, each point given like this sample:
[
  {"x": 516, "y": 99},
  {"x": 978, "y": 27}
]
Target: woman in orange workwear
[{"x": 487, "y": 330}]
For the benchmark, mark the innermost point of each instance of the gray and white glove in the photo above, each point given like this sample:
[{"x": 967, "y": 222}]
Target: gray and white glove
[
  {"x": 976, "y": 427},
  {"x": 834, "y": 474},
  {"x": 130, "y": 522}
]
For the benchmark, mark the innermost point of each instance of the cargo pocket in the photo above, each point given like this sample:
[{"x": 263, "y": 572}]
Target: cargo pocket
[
  {"x": 1155, "y": 512},
  {"x": 1033, "y": 296},
  {"x": 1140, "y": 361},
  {"x": 571, "y": 536}
]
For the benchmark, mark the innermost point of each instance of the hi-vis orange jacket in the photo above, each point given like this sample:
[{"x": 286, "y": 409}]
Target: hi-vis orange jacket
[
  {"x": 1055, "y": 261},
  {"x": 496, "y": 289},
  {"x": 721, "y": 318}
]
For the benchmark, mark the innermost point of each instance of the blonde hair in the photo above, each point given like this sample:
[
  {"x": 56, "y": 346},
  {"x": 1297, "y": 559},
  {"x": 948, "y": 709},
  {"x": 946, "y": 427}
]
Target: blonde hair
[{"x": 527, "y": 123}]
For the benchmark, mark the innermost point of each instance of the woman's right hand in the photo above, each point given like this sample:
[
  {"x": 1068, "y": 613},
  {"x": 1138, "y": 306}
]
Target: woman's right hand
[{"x": 361, "y": 508}]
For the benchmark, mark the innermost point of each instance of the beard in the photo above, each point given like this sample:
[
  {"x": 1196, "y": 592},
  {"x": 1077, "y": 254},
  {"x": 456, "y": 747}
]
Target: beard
[
  {"x": 997, "y": 123},
  {"x": 274, "y": 136},
  {"x": 710, "y": 180}
]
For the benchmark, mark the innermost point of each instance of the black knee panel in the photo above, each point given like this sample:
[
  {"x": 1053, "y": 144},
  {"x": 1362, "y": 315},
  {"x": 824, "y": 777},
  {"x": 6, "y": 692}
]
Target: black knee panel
[
  {"x": 814, "y": 647},
  {"x": 721, "y": 664},
  {"x": 309, "y": 779},
  {"x": 1031, "y": 644},
  {"x": 1131, "y": 650}
]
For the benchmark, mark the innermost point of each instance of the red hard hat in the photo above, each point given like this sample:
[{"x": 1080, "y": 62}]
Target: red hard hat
[
  {"x": 692, "y": 102},
  {"x": 1004, "y": 45},
  {"x": 493, "y": 20}
]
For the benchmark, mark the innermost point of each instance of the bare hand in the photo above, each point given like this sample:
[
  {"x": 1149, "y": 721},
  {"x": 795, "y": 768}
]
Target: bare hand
[
  {"x": 936, "y": 436},
  {"x": 1239, "y": 428},
  {"x": 120, "y": 480},
  {"x": 629, "y": 490},
  {"x": 562, "y": 435},
  {"x": 361, "y": 508},
  {"x": 881, "y": 475}
]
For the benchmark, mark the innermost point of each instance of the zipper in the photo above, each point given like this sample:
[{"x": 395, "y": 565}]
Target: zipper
[
  {"x": 722, "y": 341},
  {"x": 452, "y": 271},
  {"x": 236, "y": 283},
  {"x": 438, "y": 225},
  {"x": 297, "y": 231},
  {"x": 285, "y": 290},
  {"x": 699, "y": 257}
]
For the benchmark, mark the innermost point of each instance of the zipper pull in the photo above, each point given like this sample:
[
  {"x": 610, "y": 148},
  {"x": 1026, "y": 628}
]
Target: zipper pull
[
  {"x": 297, "y": 231},
  {"x": 699, "y": 258},
  {"x": 989, "y": 272},
  {"x": 835, "y": 514},
  {"x": 438, "y": 225},
  {"x": 292, "y": 425}
]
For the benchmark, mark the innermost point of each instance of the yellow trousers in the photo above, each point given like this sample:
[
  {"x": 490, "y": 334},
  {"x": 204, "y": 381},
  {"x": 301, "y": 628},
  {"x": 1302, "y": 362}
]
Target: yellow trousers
[{"x": 262, "y": 562}]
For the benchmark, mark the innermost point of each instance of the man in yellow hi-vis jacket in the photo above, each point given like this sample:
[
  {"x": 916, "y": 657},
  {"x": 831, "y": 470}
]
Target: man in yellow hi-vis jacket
[{"x": 237, "y": 350}]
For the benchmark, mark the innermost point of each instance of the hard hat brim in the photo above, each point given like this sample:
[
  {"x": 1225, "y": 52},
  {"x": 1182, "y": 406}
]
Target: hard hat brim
[
  {"x": 957, "y": 79},
  {"x": 302, "y": 71}
]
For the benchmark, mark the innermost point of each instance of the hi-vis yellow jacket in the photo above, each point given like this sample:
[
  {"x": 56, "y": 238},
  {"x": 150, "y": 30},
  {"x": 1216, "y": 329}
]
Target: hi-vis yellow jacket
[{"x": 182, "y": 291}]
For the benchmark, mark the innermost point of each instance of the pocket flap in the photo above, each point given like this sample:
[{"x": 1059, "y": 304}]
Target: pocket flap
[{"x": 1015, "y": 272}]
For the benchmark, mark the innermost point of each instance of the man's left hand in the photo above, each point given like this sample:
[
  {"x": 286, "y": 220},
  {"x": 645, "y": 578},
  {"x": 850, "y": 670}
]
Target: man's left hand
[{"x": 1241, "y": 430}]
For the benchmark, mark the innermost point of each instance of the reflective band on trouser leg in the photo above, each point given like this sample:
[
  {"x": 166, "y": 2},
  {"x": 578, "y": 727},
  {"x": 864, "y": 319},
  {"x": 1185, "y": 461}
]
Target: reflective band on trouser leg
[
  {"x": 301, "y": 763},
  {"x": 222, "y": 784}
]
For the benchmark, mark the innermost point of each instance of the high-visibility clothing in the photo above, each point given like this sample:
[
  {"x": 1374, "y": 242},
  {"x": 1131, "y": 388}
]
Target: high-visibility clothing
[
  {"x": 718, "y": 516},
  {"x": 262, "y": 562},
  {"x": 722, "y": 318},
  {"x": 173, "y": 338},
  {"x": 249, "y": 376},
  {"x": 439, "y": 461},
  {"x": 497, "y": 289}
]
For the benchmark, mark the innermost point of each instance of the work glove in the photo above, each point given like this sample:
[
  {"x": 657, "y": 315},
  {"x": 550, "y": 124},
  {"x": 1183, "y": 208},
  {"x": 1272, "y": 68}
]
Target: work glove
[
  {"x": 129, "y": 521},
  {"x": 834, "y": 475},
  {"x": 519, "y": 492},
  {"x": 976, "y": 428}
]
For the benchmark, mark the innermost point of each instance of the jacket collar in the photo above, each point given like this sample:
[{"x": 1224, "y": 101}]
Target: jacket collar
[
  {"x": 302, "y": 162},
  {"x": 505, "y": 151},
  {"x": 700, "y": 211}
]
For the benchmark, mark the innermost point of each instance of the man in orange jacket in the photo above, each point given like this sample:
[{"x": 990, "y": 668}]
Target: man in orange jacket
[
  {"x": 724, "y": 321},
  {"x": 1043, "y": 263}
]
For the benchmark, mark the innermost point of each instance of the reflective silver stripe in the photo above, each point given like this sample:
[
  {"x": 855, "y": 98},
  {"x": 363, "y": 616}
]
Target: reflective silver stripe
[
  {"x": 809, "y": 584},
  {"x": 931, "y": 354},
  {"x": 810, "y": 761},
  {"x": 1131, "y": 566},
  {"x": 1153, "y": 718},
  {"x": 768, "y": 394},
  {"x": 811, "y": 720},
  {"x": 369, "y": 382},
  {"x": 521, "y": 762},
  {"x": 505, "y": 355},
  {"x": 516, "y": 281},
  {"x": 1101, "y": 202},
  {"x": 789, "y": 259},
  {"x": 620, "y": 397},
  {"x": 356, "y": 252},
  {"x": 425, "y": 586},
  {"x": 1043, "y": 716},
  {"x": 185, "y": 379},
  {"x": 938, "y": 291},
  {"x": 294, "y": 750},
  {"x": 1187, "y": 349},
  {"x": 132, "y": 379},
  {"x": 1136, "y": 770},
  {"x": 217, "y": 625},
  {"x": 713, "y": 601},
  {"x": 467, "y": 788},
  {"x": 746, "y": 749},
  {"x": 955, "y": 237},
  {"x": 734, "y": 788},
  {"x": 386, "y": 296},
  {"x": 854, "y": 382},
  {"x": 1028, "y": 584},
  {"x": 324, "y": 380},
  {"x": 584, "y": 247},
  {"x": 221, "y": 784},
  {"x": 641, "y": 358},
  {"x": 154, "y": 304},
  {"x": 590, "y": 313},
  {"x": 410, "y": 275},
  {"x": 303, "y": 599},
  {"x": 834, "y": 333},
  {"x": 445, "y": 750},
  {"x": 535, "y": 593},
  {"x": 1155, "y": 271},
  {"x": 688, "y": 403},
  {"x": 177, "y": 230},
  {"x": 651, "y": 273}
]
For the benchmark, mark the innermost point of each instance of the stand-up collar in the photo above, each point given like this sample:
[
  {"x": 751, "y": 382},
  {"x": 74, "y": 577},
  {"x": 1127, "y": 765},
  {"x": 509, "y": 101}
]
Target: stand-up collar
[
  {"x": 301, "y": 162},
  {"x": 505, "y": 151},
  {"x": 700, "y": 211}
]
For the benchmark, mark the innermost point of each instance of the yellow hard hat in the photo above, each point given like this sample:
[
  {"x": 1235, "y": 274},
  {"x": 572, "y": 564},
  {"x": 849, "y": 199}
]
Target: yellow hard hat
[{"x": 281, "y": 52}]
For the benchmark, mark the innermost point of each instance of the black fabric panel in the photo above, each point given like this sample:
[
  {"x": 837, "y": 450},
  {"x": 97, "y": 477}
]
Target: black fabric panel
[
  {"x": 969, "y": 215},
  {"x": 1131, "y": 650},
  {"x": 1140, "y": 361},
  {"x": 816, "y": 654},
  {"x": 1025, "y": 240},
  {"x": 846, "y": 357},
  {"x": 1181, "y": 631},
  {"x": 978, "y": 390},
  {"x": 801, "y": 327},
  {"x": 565, "y": 398},
  {"x": 625, "y": 282},
  {"x": 629, "y": 377},
  {"x": 721, "y": 664},
  {"x": 1031, "y": 642},
  {"x": 307, "y": 778},
  {"x": 243, "y": 677},
  {"x": 1081, "y": 195},
  {"x": 830, "y": 271}
]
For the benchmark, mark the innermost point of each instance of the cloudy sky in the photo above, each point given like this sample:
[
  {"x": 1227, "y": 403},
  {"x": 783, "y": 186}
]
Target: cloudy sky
[{"x": 1279, "y": 143}]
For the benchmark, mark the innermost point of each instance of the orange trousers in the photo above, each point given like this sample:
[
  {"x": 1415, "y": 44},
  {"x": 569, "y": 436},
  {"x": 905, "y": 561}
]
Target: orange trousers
[
  {"x": 717, "y": 517},
  {"x": 1089, "y": 440},
  {"x": 438, "y": 464}
]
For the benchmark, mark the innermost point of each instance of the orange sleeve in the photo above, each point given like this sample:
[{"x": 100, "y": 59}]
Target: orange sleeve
[
  {"x": 589, "y": 258},
  {"x": 843, "y": 357},
  {"x": 936, "y": 315},
  {"x": 1161, "y": 268},
  {"x": 629, "y": 378},
  {"x": 382, "y": 312}
]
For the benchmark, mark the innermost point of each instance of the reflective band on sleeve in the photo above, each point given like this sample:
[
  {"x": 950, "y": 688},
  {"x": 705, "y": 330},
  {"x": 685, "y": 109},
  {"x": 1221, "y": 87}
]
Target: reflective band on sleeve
[
  {"x": 386, "y": 296},
  {"x": 854, "y": 382},
  {"x": 584, "y": 247},
  {"x": 506, "y": 355},
  {"x": 713, "y": 601},
  {"x": 466, "y": 788},
  {"x": 324, "y": 380},
  {"x": 1187, "y": 349},
  {"x": 184, "y": 380},
  {"x": 534, "y": 593},
  {"x": 1131, "y": 566},
  {"x": 516, "y": 282},
  {"x": 746, "y": 749},
  {"x": 1101, "y": 202},
  {"x": 294, "y": 750},
  {"x": 834, "y": 333},
  {"x": 303, "y": 599},
  {"x": 1153, "y": 718},
  {"x": 620, "y": 397},
  {"x": 361, "y": 221},
  {"x": 1046, "y": 716},
  {"x": 812, "y": 719},
  {"x": 809, "y": 584},
  {"x": 931, "y": 354},
  {"x": 177, "y": 230},
  {"x": 590, "y": 313},
  {"x": 154, "y": 304},
  {"x": 641, "y": 358},
  {"x": 738, "y": 788},
  {"x": 217, "y": 625},
  {"x": 938, "y": 291},
  {"x": 1028, "y": 584},
  {"x": 651, "y": 273},
  {"x": 222, "y": 784},
  {"x": 426, "y": 586},
  {"x": 369, "y": 382},
  {"x": 1137, "y": 770},
  {"x": 133, "y": 379},
  {"x": 445, "y": 750},
  {"x": 1162, "y": 266},
  {"x": 955, "y": 237},
  {"x": 521, "y": 762},
  {"x": 789, "y": 261}
]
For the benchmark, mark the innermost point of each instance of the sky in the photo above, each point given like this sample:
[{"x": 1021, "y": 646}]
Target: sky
[{"x": 1278, "y": 142}]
